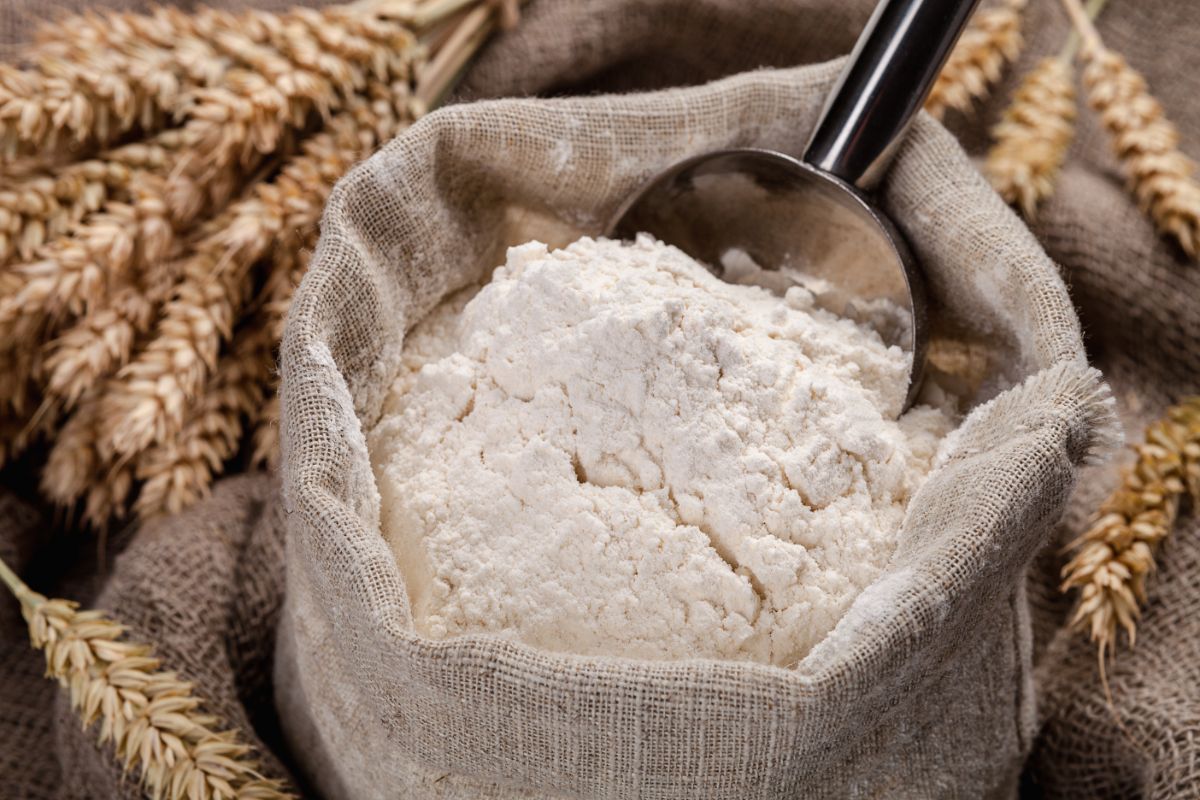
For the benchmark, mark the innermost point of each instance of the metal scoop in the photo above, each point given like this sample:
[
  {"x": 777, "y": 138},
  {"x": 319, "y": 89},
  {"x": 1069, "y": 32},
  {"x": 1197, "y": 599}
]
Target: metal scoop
[{"x": 759, "y": 216}]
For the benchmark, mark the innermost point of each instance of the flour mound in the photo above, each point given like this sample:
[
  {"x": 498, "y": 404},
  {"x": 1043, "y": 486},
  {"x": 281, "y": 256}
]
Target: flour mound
[{"x": 609, "y": 451}]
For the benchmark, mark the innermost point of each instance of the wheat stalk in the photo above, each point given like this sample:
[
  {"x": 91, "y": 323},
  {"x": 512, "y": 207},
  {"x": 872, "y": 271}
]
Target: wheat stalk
[
  {"x": 150, "y": 717},
  {"x": 1160, "y": 176},
  {"x": 1033, "y": 136},
  {"x": 991, "y": 40},
  {"x": 1116, "y": 554}
]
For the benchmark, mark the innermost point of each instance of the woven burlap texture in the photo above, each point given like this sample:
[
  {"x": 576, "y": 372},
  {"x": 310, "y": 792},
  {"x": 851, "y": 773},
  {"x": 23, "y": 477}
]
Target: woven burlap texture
[{"x": 1136, "y": 298}]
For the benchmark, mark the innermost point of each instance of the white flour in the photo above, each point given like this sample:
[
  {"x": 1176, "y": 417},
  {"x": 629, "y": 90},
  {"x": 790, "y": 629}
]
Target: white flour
[{"x": 607, "y": 450}]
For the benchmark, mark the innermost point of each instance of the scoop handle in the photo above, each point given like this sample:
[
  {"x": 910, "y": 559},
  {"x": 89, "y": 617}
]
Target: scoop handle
[{"x": 894, "y": 64}]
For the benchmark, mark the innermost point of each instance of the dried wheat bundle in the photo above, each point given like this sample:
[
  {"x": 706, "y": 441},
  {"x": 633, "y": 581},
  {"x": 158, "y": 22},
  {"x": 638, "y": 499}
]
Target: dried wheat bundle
[
  {"x": 1116, "y": 554},
  {"x": 992, "y": 40},
  {"x": 150, "y": 717},
  {"x": 1160, "y": 176},
  {"x": 227, "y": 130},
  {"x": 149, "y": 401},
  {"x": 1033, "y": 136},
  {"x": 150, "y": 271}
]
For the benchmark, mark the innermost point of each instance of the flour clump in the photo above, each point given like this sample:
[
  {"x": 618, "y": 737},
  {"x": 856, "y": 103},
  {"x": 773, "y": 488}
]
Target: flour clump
[{"x": 607, "y": 450}]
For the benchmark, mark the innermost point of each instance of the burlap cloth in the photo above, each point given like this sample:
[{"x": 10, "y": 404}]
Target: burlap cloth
[{"x": 206, "y": 587}]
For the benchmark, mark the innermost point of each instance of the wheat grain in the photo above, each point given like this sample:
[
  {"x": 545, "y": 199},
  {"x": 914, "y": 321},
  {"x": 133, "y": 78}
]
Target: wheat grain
[
  {"x": 150, "y": 717},
  {"x": 1033, "y": 136},
  {"x": 991, "y": 40},
  {"x": 1115, "y": 555}
]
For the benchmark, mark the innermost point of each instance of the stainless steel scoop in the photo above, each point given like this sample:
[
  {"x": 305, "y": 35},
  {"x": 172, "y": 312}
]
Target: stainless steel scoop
[{"x": 765, "y": 217}]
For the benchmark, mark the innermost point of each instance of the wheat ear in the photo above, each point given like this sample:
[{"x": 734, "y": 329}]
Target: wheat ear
[
  {"x": 36, "y": 110},
  {"x": 180, "y": 471},
  {"x": 460, "y": 42},
  {"x": 150, "y": 717},
  {"x": 1033, "y": 136},
  {"x": 161, "y": 48},
  {"x": 1160, "y": 176},
  {"x": 228, "y": 128},
  {"x": 76, "y": 468},
  {"x": 1116, "y": 554},
  {"x": 19, "y": 390},
  {"x": 992, "y": 39},
  {"x": 37, "y": 208},
  {"x": 103, "y": 340}
]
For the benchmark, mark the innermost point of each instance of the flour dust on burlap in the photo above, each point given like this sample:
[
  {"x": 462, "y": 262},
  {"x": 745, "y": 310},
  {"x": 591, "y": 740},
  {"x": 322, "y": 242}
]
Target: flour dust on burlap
[{"x": 608, "y": 450}]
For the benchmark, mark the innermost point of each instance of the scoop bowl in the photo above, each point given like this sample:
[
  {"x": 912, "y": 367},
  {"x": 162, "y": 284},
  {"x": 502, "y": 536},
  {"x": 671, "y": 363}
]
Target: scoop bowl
[{"x": 762, "y": 217}]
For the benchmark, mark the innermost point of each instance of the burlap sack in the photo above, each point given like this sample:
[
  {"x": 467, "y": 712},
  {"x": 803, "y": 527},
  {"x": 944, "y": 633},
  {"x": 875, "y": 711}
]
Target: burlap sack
[{"x": 924, "y": 689}]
